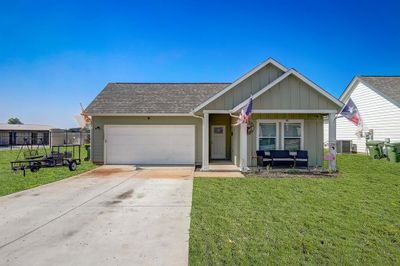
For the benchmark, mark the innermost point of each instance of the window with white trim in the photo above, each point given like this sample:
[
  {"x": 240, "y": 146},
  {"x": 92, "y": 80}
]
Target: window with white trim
[
  {"x": 267, "y": 137},
  {"x": 292, "y": 136},
  {"x": 280, "y": 134}
]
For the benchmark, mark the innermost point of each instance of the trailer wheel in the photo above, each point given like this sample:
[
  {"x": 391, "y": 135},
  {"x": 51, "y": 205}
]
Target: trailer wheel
[
  {"x": 72, "y": 166},
  {"x": 34, "y": 169}
]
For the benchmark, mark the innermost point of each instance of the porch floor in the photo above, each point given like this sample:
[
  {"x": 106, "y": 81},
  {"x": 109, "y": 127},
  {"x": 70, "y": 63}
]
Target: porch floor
[
  {"x": 223, "y": 165},
  {"x": 220, "y": 168}
]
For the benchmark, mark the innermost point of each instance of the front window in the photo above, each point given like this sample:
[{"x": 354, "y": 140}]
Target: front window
[
  {"x": 280, "y": 135},
  {"x": 292, "y": 136},
  {"x": 267, "y": 136}
]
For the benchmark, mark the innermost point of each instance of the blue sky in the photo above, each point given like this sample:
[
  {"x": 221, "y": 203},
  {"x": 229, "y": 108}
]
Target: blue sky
[{"x": 55, "y": 54}]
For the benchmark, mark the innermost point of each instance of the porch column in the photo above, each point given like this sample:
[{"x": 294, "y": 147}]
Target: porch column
[
  {"x": 204, "y": 166},
  {"x": 332, "y": 141},
  {"x": 243, "y": 147}
]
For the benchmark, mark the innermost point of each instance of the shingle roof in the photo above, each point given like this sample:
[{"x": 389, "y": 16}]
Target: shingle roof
[
  {"x": 130, "y": 98},
  {"x": 387, "y": 85}
]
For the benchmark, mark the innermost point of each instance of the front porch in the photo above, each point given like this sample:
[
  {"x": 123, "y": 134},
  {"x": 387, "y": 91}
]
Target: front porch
[{"x": 234, "y": 147}]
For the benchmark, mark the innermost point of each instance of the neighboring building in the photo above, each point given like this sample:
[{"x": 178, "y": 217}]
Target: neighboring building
[
  {"x": 14, "y": 134},
  {"x": 192, "y": 123},
  {"x": 378, "y": 101}
]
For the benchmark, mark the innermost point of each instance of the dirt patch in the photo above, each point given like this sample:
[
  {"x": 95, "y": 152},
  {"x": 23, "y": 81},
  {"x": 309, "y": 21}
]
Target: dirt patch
[
  {"x": 112, "y": 171},
  {"x": 126, "y": 194},
  {"x": 109, "y": 172},
  {"x": 165, "y": 173},
  {"x": 273, "y": 174}
]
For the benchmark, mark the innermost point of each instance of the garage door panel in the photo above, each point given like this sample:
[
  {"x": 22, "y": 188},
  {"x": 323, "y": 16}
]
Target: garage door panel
[{"x": 150, "y": 144}]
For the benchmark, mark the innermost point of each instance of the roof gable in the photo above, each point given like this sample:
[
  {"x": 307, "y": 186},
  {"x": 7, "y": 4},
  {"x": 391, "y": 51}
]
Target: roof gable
[
  {"x": 327, "y": 99},
  {"x": 242, "y": 79},
  {"x": 386, "y": 86}
]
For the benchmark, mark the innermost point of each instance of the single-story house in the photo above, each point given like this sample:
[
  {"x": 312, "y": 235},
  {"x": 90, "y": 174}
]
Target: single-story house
[
  {"x": 16, "y": 134},
  {"x": 193, "y": 123},
  {"x": 378, "y": 101}
]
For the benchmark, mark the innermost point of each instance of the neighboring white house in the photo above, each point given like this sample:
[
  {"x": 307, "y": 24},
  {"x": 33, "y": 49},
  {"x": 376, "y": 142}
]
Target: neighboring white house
[{"x": 378, "y": 101}]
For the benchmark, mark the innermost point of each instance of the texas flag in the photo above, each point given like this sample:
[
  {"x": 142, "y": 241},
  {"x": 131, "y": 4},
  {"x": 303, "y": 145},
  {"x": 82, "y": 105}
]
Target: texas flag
[{"x": 350, "y": 112}]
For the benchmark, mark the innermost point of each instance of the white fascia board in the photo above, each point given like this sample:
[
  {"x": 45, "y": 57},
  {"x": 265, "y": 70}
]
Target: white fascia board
[
  {"x": 294, "y": 111},
  {"x": 143, "y": 114},
  {"x": 298, "y": 75},
  {"x": 236, "y": 82},
  {"x": 349, "y": 89},
  {"x": 216, "y": 111}
]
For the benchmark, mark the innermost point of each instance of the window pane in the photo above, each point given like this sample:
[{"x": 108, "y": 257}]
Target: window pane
[
  {"x": 267, "y": 144},
  {"x": 267, "y": 130},
  {"x": 292, "y": 144},
  {"x": 292, "y": 130},
  {"x": 218, "y": 130}
]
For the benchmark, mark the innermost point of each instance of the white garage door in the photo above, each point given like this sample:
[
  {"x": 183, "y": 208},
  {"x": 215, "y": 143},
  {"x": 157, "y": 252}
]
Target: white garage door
[{"x": 149, "y": 144}]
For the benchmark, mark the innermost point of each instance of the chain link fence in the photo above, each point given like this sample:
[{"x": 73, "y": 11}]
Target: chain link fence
[{"x": 67, "y": 137}]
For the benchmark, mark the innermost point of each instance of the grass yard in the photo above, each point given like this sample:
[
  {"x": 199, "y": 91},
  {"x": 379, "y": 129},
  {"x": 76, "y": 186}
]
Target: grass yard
[
  {"x": 11, "y": 182},
  {"x": 353, "y": 219}
]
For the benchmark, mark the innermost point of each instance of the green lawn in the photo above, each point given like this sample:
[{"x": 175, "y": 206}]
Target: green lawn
[
  {"x": 353, "y": 219},
  {"x": 11, "y": 182}
]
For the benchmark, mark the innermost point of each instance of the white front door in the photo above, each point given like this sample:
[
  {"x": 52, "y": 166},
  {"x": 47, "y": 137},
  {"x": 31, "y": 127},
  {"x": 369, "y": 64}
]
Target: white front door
[{"x": 218, "y": 137}]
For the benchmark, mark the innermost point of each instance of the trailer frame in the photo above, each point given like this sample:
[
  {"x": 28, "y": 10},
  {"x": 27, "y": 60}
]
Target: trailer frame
[{"x": 61, "y": 155}]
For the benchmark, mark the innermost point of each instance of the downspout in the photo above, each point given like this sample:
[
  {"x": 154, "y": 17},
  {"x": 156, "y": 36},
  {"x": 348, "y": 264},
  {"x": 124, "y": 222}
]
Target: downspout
[
  {"x": 232, "y": 115},
  {"x": 197, "y": 116}
]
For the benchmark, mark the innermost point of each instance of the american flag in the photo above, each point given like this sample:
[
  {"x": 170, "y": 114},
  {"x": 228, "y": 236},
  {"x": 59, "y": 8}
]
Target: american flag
[
  {"x": 350, "y": 112},
  {"x": 245, "y": 114}
]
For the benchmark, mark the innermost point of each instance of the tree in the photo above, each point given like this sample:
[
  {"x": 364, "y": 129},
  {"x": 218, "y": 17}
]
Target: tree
[{"x": 14, "y": 120}]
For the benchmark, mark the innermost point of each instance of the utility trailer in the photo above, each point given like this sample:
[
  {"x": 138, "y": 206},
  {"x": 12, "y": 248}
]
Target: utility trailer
[{"x": 60, "y": 155}]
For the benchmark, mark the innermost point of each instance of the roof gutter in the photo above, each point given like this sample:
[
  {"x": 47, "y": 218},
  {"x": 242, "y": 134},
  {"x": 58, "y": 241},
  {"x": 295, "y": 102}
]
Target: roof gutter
[{"x": 139, "y": 114}]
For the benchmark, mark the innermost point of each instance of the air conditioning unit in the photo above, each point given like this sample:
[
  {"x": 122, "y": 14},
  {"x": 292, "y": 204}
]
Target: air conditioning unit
[
  {"x": 343, "y": 146},
  {"x": 354, "y": 148}
]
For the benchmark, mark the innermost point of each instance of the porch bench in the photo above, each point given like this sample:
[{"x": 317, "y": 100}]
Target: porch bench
[
  {"x": 282, "y": 158},
  {"x": 301, "y": 159},
  {"x": 263, "y": 159}
]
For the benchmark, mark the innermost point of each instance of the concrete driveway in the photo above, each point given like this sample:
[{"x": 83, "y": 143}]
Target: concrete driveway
[{"x": 110, "y": 216}]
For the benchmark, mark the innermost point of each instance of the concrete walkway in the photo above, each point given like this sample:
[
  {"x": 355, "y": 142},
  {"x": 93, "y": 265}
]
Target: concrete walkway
[
  {"x": 220, "y": 168},
  {"x": 111, "y": 216}
]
